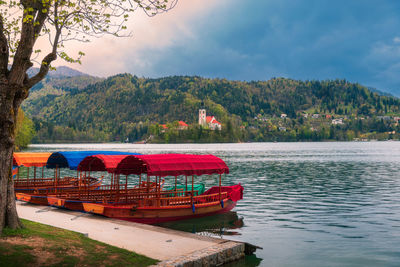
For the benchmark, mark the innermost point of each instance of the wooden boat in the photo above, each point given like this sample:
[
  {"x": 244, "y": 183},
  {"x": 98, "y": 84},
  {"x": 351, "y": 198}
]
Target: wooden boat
[
  {"x": 38, "y": 160},
  {"x": 37, "y": 190},
  {"x": 160, "y": 206},
  {"x": 39, "y": 195},
  {"x": 158, "y": 210},
  {"x": 106, "y": 193}
]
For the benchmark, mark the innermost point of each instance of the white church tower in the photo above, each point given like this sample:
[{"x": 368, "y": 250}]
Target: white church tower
[{"x": 202, "y": 117}]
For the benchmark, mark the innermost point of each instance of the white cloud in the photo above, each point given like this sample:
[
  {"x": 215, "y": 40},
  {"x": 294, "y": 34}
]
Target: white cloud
[
  {"x": 396, "y": 40},
  {"x": 110, "y": 55}
]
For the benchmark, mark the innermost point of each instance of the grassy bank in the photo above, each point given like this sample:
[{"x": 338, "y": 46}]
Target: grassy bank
[{"x": 41, "y": 245}]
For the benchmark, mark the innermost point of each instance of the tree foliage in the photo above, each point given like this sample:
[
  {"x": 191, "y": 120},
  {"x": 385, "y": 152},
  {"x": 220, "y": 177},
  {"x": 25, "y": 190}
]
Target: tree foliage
[
  {"x": 24, "y": 131},
  {"x": 125, "y": 106}
]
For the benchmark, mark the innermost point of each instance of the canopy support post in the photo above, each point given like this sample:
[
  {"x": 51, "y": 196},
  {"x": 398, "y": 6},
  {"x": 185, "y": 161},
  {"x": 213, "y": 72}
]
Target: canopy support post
[
  {"x": 79, "y": 183},
  {"x": 220, "y": 187},
  {"x": 148, "y": 183},
  {"x": 34, "y": 174},
  {"x": 42, "y": 172},
  {"x": 126, "y": 188},
  {"x": 176, "y": 181},
  {"x": 192, "y": 191},
  {"x": 56, "y": 178},
  {"x": 158, "y": 181},
  {"x": 117, "y": 186}
]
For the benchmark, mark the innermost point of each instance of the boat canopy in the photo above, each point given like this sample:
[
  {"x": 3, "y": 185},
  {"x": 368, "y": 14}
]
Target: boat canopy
[
  {"x": 15, "y": 170},
  {"x": 37, "y": 159},
  {"x": 155, "y": 165},
  {"x": 100, "y": 163},
  {"x": 172, "y": 165},
  {"x": 71, "y": 159}
]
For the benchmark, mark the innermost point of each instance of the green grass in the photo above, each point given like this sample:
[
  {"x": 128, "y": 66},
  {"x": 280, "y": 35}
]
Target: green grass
[
  {"x": 15, "y": 255},
  {"x": 62, "y": 247}
]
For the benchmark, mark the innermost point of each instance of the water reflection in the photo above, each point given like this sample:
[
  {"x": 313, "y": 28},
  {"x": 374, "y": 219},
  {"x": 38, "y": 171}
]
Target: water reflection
[
  {"x": 217, "y": 226},
  {"x": 248, "y": 261}
]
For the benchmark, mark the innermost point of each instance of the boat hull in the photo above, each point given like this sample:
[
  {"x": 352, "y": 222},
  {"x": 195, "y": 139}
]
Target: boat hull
[
  {"x": 34, "y": 199},
  {"x": 152, "y": 215},
  {"x": 65, "y": 203}
]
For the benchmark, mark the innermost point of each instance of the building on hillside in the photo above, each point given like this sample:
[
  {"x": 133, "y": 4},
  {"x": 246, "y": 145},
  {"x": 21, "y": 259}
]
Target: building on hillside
[
  {"x": 209, "y": 121},
  {"x": 202, "y": 117},
  {"x": 163, "y": 128},
  {"x": 283, "y": 116},
  {"x": 337, "y": 121},
  {"x": 385, "y": 118},
  {"x": 182, "y": 125},
  {"x": 213, "y": 124}
]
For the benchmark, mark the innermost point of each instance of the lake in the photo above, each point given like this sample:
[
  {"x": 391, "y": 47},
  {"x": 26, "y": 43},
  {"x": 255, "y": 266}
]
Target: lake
[{"x": 305, "y": 204}]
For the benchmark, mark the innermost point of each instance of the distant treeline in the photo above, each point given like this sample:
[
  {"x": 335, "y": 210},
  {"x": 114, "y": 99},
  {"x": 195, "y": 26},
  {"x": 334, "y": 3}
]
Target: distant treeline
[{"x": 128, "y": 108}]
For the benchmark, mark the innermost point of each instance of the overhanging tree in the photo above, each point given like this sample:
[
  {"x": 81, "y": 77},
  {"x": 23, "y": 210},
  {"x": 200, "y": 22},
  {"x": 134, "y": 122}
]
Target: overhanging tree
[{"x": 22, "y": 24}]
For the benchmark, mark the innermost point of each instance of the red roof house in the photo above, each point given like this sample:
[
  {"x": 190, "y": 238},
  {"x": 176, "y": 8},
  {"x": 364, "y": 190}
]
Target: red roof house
[
  {"x": 213, "y": 123},
  {"x": 182, "y": 125}
]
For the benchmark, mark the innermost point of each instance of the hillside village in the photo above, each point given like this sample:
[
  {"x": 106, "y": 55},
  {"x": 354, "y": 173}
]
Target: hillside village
[{"x": 206, "y": 122}]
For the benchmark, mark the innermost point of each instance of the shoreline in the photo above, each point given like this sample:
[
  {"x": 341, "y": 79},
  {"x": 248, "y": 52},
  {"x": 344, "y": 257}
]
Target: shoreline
[{"x": 215, "y": 143}]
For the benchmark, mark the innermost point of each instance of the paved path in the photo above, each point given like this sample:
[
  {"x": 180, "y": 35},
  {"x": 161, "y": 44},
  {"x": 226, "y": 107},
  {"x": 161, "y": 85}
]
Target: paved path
[{"x": 152, "y": 241}]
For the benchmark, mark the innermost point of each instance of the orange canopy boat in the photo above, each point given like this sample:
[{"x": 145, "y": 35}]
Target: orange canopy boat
[
  {"x": 37, "y": 189},
  {"x": 37, "y": 160}
]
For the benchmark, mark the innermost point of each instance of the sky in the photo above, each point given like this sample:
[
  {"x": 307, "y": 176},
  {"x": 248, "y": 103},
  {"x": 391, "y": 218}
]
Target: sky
[{"x": 356, "y": 40}]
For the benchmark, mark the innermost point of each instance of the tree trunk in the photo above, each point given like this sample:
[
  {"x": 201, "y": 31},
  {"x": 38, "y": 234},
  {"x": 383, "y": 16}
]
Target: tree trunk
[{"x": 9, "y": 104}]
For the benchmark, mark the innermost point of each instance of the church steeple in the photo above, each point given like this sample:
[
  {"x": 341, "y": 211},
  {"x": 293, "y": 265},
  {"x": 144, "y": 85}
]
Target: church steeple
[{"x": 202, "y": 117}]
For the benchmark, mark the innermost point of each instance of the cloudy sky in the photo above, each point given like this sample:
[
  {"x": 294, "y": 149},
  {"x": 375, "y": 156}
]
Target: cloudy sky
[{"x": 358, "y": 40}]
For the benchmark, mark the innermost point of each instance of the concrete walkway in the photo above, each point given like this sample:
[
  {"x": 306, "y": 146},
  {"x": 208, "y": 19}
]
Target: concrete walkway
[{"x": 155, "y": 242}]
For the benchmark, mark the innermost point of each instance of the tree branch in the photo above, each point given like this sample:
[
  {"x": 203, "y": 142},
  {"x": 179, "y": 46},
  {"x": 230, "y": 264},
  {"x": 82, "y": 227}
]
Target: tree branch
[
  {"x": 39, "y": 22},
  {"x": 23, "y": 54},
  {"x": 33, "y": 20},
  {"x": 45, "y": 66},
  {"x": 44, "y": 69}
]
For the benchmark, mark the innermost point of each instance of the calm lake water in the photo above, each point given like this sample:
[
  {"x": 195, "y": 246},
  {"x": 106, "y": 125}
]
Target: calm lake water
[{"x": 305, "y": 204}]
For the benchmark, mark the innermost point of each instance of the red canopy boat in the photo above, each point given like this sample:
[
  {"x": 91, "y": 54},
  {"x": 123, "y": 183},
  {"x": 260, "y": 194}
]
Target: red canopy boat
[{"x": 159, "y": 205}]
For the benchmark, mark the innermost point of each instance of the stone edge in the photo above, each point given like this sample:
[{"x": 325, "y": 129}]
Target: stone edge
[{"x": 212, "y": 256}]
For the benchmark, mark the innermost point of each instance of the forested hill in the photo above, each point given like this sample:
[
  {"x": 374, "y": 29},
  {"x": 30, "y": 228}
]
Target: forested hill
[{"x": 127, "y": 106}]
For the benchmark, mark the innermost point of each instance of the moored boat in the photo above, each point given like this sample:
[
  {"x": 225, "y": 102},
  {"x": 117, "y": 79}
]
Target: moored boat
[
  {"x": 161, "y": 206},
  {"x": 37, "y": 180},
  {"x": 37, "y": 190}
]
